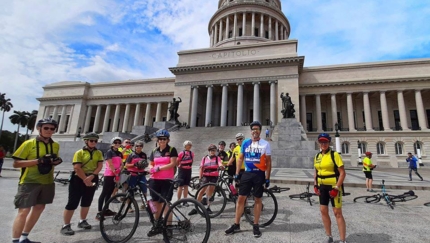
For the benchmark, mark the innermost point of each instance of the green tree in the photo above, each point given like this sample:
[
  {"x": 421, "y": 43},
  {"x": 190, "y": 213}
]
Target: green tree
[
  {"x": 5, "y": 106},
  {"x": 31, "y": 123},
  {"x": 19, "y": 118}
]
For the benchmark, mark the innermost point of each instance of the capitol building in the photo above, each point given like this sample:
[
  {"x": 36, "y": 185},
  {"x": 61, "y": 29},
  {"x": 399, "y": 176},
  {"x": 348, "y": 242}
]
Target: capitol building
[{"x": 381, "y": 107}]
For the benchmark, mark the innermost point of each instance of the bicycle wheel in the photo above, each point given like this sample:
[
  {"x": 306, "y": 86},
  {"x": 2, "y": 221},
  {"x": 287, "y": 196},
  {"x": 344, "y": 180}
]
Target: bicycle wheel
[
  {"x": 120, "y": 227},
  {"x": 362, "y": 199},
  {"x": 373, "y": 199},
  {"x": 217, "y": 202},
  {"x": 402, "y": 198},
  {"x": 268, "y": 211},
  {"x": 194, "y": 186},
  {"x": 181, "y": 227},
  {"x": 302, "y": 195}
]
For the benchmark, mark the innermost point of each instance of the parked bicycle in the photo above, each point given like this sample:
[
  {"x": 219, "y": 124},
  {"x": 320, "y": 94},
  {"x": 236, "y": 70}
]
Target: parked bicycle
[
  {"x": 61, "y": 180},
  {"x": 176, "y": 226},
  {"x": 377, "y": 197}
]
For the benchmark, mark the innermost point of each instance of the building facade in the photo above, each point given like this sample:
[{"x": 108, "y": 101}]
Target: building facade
[{"x": 382, "y": 107}]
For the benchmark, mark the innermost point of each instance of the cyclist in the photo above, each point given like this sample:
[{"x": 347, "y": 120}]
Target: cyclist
[
  {"x": 256, "y": 155},
  {"x": 162, "y": 162},
  {"x": 113, "y": 160},
  {"x": 222, "y": 153},
  {"x": 367, "y": 169},
  {"x": 327, "y": 185},
  {"x": 133, "y": 165},
  {"x": 126, "y": 149},
  {"x": 87, "y": 163},
  {"x": 232, "y": 168},
  {"x": 185, "y": 161},
  {"x": 236, "y": 151},
  {"x": 36, "y": 157}
]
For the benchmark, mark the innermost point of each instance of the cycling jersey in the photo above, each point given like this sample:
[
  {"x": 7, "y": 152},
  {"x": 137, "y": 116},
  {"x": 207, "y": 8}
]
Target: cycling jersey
[
  {"x": 125, "y": 153},
  {"x": 325, "y": 168},
  {"x": 161, "y": 158},
  {"x": 28, "y": 151},
  {"x": 223, "y": 156},
  {"x": 88, "y": 159},
  {"x": 210, "y": 165},
  {"x": 236, "y": 152},
  {"x": 185, "y": 159},
  {"x": 133, "y": 159},
  {"x": 116, "y": 157},
  {"x": 368, "y": 162},
  {"x": 254, "y": 154}
]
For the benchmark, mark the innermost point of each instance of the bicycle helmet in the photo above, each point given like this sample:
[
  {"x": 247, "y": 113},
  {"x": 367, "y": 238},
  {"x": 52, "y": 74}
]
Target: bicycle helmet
[
  {"x": 239, "y": 135},
  {"x": 222, "y": 143},
  {"x": 47, "y": 121},
  {"x": 368, "y": 153},
  {"x": 324, "y": 137},
  {"x": 162, "y": 133},
  {"x": 91, "y": 135},
  {"x": 211, "y": 147},
  {"x": 255, "y": 123},
  {"x": 114, "y": 139},
  {"x": 187, "y": 142}
]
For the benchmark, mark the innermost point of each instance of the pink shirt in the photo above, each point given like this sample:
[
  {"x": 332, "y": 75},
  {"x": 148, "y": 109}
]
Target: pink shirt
[
  {"x": 185, "y": 159},
  {"x": 210, "y": 165}
]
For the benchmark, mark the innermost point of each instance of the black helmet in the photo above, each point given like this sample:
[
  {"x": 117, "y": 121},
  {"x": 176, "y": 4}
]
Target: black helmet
[
  {"x": 90, "y": 135},
  {"x": 255, "y": 123},
  {"x": 49, "y": 121},
  {"x": 221, "y": 143}
]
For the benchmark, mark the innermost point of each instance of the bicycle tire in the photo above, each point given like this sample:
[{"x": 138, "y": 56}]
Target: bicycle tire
[
  {"x": 217, "y": 205},
  {"x": 121, "y": 220},
  {"x": 402, "y": 198},
  {"x": 361, "y": 199},
  {"x": 373, "y": 199},
  {"x": 194, "y": 186},
  {"x": 186, "y": 228},
  {"x": 269, "y": 210}
]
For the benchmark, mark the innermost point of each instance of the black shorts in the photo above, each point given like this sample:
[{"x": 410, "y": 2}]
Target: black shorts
[
  {"x": 252, "y": 181},
  {"x": 162, "y": 187},
  {"x": 209, "y": 179},
  {"x": 79, "y": 192},
  {"x": 368, "y": 174},
  {"x": 185, "y": 175},
  {"x": 325, "y": 197}
]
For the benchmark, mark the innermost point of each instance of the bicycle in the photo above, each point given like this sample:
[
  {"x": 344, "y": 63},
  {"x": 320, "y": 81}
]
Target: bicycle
[
  {"x": 407, "y": 196},
  {"x": 61, "y": 180},
  {"x": 218, "y": 200},
  {"x": 176, "y": 226},
  {"x": 377, "y": 197},
  {"x": 304, "y": 195}
]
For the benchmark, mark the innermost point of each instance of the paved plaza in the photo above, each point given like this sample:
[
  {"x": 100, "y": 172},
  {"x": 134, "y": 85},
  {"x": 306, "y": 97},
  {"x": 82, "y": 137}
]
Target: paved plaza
[{"x": 297, "y": 221}]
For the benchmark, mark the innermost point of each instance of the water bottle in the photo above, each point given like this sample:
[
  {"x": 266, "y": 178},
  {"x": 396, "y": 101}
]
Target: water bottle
[
  {"x": 233, "y": 190},
  {"x": 152, "y": 205}
]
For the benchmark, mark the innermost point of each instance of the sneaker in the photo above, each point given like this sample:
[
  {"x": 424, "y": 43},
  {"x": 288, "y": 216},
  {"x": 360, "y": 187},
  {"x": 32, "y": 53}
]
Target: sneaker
[
  {"x": 233, "y": 229},
  {"x": 330, "y": 239},
  {"x": 256, "y": 230},
  {"x": 98, "y": 216},
  {"x": 371, "y": 190},
  {"x": 185, "y": 204},
  {"x": 192, "y": 212},
  {"x": 367, "y": 189},
  {"x": 154, "y": 231},
  {"x": 109, "y": 212},
  {"x": 115, "y": 201},
  {"x": 84, "y": 225},
  {"x": 29, "y": 241},
  {"x": 67, "y": 230},
  {"x": 209, "y": 210}
]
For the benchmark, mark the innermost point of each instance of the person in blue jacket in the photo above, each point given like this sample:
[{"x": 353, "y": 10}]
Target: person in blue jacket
[{"x": 412, "y": 160}]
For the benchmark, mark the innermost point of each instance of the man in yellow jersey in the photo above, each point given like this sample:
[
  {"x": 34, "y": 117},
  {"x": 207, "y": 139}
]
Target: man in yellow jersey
[
  {"x": 367, "y": 169},
  {"x": 328, "y": 179},
  {"x": 36, "y": 157},
  {"x": 236, "y": 151}
]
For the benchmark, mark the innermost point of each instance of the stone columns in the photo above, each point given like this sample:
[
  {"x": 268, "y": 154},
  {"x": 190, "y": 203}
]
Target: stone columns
[
  {"x": 148, "y": 115},
  {"x": 158, "y": 112},
  {"x": 116, "y": 118},
  {"x": 220, "y": 30},
  {"x": 136, "y": 115},
  {"x": 97, "y": 119},
  {"x": 212, "y": 37},
  {"x": 194, "y": 106},
  {"x": 261, "y": 25},
  {"x": 216, "y": 34},
  {"x": 319, "y": 118},
  {"x": 281, "y": 34},
  {"x": 402, "y": 111},
  {"x": 243, "y": 24},
  {"x": 420, "y": 110},
  {"x": 303, "y": 119},
  {"x": 276, "y": 30},
  {"x": 239, "y": 114},
  {"x": 106, "y": 121},
  {"x": 227, "y": 26},
  {"x": 253, "y": 24},
  {"x": 367, "y": 111},
  {"x": 63, "y": 119},
  {"x": 333, "y": 110},
  {"x": 208, "y": 118},
  {"x": 384, "y": 111},
  {"x": 126, "y": 116},
  {"x": 55, "y": 113},
  {"x": 87, "y": 119},
  {"x": 350, "y": 108},
  {"x": 235, "y": 25},
  {"x": 273, "y": 101},
  {"x": 270, "y": 27},
  {"x": 224, "y": 100},
  {"x": 256, "y": 107}
]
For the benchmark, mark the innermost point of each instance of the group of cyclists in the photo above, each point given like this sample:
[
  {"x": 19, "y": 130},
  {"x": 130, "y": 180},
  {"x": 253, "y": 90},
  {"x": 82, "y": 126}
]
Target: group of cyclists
[{"x": 248, "y": 161}]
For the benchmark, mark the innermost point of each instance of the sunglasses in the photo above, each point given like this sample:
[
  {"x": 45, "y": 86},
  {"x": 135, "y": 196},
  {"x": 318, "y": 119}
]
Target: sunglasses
[
  {"x": 92, "y": 141},
  {"x": 162, "y": 139},
  {"x": 116, "y": 142},
  {"x": 49, "y": 128},
  {"x": 239, "y": 139},
  {"x": 212, "y": 150},
  {"x": 139, "y": 146},
  {"x": 127, "y": 142}
]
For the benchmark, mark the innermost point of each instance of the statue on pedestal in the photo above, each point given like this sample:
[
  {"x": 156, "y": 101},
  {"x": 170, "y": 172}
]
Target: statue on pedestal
[
  {"x": 173, "y": 109},
  {"x": 287, "y": 106}
]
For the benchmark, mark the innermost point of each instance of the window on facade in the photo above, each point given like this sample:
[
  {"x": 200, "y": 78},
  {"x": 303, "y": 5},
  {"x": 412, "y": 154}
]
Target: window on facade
[
  {"x": 240, "y": 31},
  {"x": 266, "y": 35},
  {"x": 398, "y": 146},
  {"x": 414, "y": 120},
  {"x": 428, "y": 117},
  {"x": 364, "y": 120},
  {"x": 355, "y": 120},
  {"x": 324, "y": 121},
  {"x": 418, "y": 144},
  {"x": 309, "y": 122},
  {"x": 380, "y": 148},
  {"x": 230, "y": 34},
  {"x": 381, "y": 124},
  {"x": 396, "y": 120},
  {"x": 345, "y": 148},
  {"x": 363, "y": 146},
  {"x": 339, "y": 120},
  {"x": 255, "y": 31}
]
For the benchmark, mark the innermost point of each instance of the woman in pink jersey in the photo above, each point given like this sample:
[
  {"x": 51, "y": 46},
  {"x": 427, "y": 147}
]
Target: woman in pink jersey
[
  {"x": 208, "y": 173},
  {"x": 185, "y": 161},
  {"x": 162, "y": 162}
]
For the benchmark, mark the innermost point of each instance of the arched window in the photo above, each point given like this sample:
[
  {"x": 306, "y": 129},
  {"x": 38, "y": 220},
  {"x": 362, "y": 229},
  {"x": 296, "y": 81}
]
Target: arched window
[
  {"x": 380, "y": 148},
  {"x": 398, "y": 146},
  {"x": 363, "y": 146},
  {"x": 345, "y": 148},
  {"x": 418, "y": 144}
]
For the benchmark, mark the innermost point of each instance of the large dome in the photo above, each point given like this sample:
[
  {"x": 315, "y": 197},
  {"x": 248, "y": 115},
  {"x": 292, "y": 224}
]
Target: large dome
[{"x": 247, "y": 21}]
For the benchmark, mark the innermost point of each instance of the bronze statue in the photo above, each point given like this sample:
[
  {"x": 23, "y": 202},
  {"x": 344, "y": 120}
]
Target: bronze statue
[
  {"x": 287, "y": 106},
  {"x": 173, "y": 109}
]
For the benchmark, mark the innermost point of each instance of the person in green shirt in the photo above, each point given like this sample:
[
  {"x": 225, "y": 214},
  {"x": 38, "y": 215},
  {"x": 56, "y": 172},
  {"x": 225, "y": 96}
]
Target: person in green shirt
[
  {"x": 367, "y": 169},
  {"x": 87, "y": 164},
  {"x": 36, "y": 157}
]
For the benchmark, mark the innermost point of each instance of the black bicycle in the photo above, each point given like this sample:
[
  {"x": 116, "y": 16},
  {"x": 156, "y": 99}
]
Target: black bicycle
[
  {"x": 407, "y": 196},
  {"x": 306, "y": 195},
  {"x": 61, "y": 180},
  {"x": 176, "y": 226},
  {"x": 377, "y": 197}
]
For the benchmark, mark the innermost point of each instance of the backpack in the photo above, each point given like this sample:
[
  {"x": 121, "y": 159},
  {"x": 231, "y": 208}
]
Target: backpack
[{"x": 336, "y": 170}]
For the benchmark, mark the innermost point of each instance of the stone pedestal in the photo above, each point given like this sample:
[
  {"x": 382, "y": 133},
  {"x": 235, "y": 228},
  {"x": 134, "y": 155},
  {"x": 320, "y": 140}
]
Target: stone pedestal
[{"x": 293, "y": 149}]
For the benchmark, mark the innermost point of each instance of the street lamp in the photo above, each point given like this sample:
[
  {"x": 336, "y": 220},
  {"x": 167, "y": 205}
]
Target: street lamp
[
  {"x": 336, "y": 127},
  {"x": 359, "y": 153},
  {"x": 78, "y": 135},
  {"x": 420, "y": 162}
]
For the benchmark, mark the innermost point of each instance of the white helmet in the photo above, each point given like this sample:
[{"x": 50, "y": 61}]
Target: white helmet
[
  {"x": 240, "y": 135},
  {"x": 187, "y": 142},
  {"x": 114, "y": 139}
]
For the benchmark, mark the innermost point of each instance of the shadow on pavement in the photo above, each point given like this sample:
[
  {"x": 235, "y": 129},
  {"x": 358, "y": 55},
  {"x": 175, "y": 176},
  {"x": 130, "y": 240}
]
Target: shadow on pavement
[{"x": 367, "y": 238}]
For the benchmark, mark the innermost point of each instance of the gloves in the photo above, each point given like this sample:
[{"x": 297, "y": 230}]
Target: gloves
[
  {"x": 237, "y": 177},
  {"x": 57, "y": 161},
  {"x": 154, "y": 170},
  {"x": 333, "y": 192},
  {"x": 267, "y": 183},
  {"x": 316, "y": 190}
]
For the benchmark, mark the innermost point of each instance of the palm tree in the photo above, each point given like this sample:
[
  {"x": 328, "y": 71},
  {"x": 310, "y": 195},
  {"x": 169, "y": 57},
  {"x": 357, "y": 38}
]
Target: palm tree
[
  {"x": 19, "y": 118},
  {"x": 5, "y": 106},
  {"x": 31, "y": 117}
]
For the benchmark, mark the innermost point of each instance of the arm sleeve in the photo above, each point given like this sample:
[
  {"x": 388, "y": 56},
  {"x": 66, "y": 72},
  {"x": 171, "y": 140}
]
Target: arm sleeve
[
  {"x": 174, "y": 153},
  {"x": 77, "y": 157},
  {"x": 151, "y": 156},
  {"x": 268, "y": 150},
  {"x": 23, "y": 151},
  {"x": 99, "y": 156},
  {"x": 108, "y": 155}
]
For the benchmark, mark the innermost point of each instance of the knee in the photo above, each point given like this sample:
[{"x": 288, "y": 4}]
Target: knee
[
  {"x": 324, "y": 210},
  {"x": 39, "y": 207},
  {"x": 23, "y": 212},
  {"x": 338, "y": 213}
]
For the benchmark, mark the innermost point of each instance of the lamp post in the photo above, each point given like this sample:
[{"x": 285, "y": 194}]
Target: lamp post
[
  {"x": 359, "y": 153},
  {"x": 78, "y": 135},
  {"x": 338, "y": 149},
  {"x": 420, "y": 162}
]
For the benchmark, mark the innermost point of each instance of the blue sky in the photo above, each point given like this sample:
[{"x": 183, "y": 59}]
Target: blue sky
[{"x": 94, "y": 41}]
